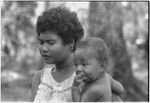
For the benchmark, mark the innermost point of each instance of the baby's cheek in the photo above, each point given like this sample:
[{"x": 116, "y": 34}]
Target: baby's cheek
[
  {"x": 86, "y": 79},
  {"x": 91, "y": 77}
]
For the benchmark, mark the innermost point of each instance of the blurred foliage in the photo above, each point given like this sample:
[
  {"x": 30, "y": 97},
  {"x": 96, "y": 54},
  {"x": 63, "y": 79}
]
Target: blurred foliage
[
  {"x": 17, "y": 31},
  {"x": 124, "y": 28},
  {"x": 19, "y": 46}
]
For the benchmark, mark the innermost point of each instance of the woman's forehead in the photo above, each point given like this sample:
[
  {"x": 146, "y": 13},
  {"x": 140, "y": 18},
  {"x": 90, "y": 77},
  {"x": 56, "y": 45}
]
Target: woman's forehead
[{"x": 48, "y": 35}]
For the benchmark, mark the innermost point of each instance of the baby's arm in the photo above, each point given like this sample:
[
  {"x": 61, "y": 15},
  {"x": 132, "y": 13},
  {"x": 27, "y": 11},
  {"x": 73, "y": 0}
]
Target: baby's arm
[
  {"x": 117, "y": 87},
  {"x": 92, "y": 94},
  {"x": 75, "y": 91},
  {"x": 116, "y": 98}
]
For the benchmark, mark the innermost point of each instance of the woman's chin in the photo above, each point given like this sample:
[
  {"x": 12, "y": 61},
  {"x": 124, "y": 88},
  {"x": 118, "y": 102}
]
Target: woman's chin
[{"x": 49, "y": 62}]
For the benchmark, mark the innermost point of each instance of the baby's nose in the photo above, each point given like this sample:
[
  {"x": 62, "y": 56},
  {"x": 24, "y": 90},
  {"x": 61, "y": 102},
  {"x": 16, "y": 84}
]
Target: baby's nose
[{"x": 79, "y": 69}]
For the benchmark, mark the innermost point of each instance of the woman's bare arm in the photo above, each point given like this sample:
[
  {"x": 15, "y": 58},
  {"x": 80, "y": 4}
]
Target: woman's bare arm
[
  {"x": 35, "y": 83},
  {"x": 116, "y": 98},
  {"x": 116, "y": 86}
]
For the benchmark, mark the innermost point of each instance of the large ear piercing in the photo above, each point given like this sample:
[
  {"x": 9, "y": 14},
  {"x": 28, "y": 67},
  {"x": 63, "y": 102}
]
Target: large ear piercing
[{"x": 71, "y": 47}]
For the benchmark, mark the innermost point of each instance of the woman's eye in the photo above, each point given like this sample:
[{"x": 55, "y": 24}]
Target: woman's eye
[
  {"x": 51, "y": 42},
  {"x": 75, "y": 64}
]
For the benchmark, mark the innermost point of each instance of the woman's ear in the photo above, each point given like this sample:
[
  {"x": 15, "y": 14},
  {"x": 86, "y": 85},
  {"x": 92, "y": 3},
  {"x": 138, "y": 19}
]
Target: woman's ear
[{"x": 71, "y": 45}]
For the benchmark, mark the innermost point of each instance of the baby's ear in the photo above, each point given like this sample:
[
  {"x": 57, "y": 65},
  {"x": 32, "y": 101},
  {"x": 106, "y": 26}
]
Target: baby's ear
[
  {"x": 104, "y": 64},
  {"x": 101, "y": 70}
]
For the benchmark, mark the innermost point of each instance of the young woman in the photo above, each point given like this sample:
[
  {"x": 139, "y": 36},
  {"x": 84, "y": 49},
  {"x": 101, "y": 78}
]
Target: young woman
[{"x": 58, "y": 31}]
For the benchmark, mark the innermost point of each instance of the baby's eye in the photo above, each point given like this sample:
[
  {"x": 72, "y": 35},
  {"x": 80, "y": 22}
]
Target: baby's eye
[
  {"x": 84, "y": 64},
  {"x": 41, "y": 42}
]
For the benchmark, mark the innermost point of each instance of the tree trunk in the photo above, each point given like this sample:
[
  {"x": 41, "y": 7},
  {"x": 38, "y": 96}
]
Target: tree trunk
[
  {"x": 105, "y": 21},
  {"x": 46, "y": 5}
]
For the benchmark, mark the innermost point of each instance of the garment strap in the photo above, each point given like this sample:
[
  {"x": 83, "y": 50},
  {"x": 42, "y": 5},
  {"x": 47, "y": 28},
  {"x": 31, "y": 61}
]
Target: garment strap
[{"x": 44, "y": 68}]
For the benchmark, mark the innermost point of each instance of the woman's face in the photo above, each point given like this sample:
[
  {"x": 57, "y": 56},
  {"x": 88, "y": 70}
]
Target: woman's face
[{"x": 52, "y": 48}]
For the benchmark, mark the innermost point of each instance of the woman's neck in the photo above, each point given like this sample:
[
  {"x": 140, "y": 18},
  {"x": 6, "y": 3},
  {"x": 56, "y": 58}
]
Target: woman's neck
[
  {"x": 66, "y": 66},
  {"x": 64, "y": 70}
]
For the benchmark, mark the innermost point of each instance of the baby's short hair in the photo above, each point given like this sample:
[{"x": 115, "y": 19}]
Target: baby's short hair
[
  {"x": 98, "y": 46},
  {"x": 63, "y": 22}
]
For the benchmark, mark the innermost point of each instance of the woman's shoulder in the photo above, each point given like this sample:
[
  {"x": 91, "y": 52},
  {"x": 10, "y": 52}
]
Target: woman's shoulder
[
  {"x": 37, "y": 74},
  {"x": 35, "y": 82},
  {"x": 37, "y": 77}
]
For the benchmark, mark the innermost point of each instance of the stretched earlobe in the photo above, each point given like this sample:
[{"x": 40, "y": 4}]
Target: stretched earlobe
[{"x": 71, "y": 46}]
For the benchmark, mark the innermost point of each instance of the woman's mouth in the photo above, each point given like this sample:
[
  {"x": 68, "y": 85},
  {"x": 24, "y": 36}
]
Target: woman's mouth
[{"x": 46, "y": 57}]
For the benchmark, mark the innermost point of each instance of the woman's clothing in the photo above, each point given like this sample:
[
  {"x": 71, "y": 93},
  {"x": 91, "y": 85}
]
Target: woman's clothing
[{"x": 51, "y": 90}]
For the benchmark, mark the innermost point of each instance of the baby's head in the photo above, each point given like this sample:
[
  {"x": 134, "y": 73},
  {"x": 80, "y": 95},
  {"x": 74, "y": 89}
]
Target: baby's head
[{"x": 91, "y": 57}]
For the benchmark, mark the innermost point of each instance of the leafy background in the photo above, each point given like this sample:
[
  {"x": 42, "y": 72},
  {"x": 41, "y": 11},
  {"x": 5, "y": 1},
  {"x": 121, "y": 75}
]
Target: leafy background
[{"x": 122, "y": 25}]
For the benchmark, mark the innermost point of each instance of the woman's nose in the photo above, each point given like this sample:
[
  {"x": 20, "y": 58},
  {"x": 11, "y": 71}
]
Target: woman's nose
[{"x": 44, "y": 48}]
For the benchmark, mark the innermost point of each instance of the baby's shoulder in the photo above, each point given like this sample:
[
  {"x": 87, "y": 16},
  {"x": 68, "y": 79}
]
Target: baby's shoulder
[
  {"x": 100, "y": 86},
  {"x": 99, "y": 89},
  {"x": 95, "y": 88}
]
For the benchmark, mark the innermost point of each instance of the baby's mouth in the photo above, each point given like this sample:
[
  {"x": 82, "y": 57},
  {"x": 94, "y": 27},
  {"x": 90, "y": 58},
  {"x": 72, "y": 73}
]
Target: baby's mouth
[{"x": 82, "y": 77}]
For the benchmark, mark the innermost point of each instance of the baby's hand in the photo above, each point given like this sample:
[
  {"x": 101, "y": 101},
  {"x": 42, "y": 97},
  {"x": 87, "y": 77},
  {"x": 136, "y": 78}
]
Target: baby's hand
[
  {"x": 75, "y": 90},
  {"x": 77, "y": 81}
]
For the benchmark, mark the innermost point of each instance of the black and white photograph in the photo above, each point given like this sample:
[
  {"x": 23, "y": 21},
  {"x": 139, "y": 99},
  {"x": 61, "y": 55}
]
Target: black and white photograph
[{"x": 74, "y": 51}]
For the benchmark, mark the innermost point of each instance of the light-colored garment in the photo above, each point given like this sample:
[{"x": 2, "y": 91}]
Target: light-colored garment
[{"x": 51, "y": 90}]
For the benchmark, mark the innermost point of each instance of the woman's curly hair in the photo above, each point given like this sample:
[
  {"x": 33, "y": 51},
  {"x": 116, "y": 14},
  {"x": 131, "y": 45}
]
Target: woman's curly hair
[{"x": 63, "y": 22}]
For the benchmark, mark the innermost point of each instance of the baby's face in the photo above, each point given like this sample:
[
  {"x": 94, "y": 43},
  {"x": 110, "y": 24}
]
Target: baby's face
[{"x": 88, "y": 68}]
